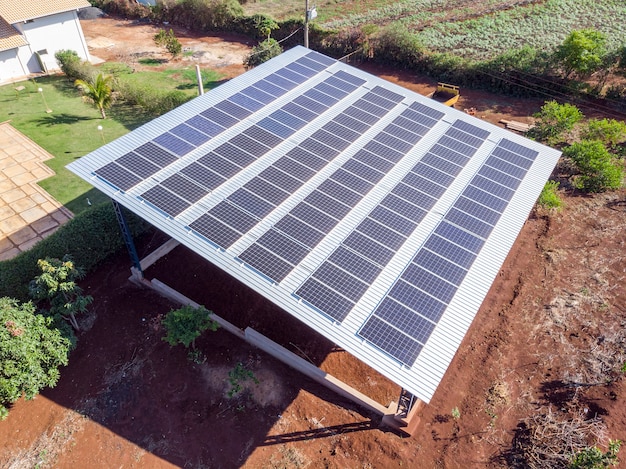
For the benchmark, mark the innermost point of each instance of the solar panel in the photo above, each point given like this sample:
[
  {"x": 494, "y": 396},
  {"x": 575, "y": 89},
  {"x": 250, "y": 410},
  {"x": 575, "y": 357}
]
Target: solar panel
[{"x": 375, "y": 215}]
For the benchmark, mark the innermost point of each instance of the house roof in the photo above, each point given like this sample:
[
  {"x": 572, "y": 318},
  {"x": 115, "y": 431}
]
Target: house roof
[
  {"x": 10, "y": 38},
  {"x": 16, "y": 11}
]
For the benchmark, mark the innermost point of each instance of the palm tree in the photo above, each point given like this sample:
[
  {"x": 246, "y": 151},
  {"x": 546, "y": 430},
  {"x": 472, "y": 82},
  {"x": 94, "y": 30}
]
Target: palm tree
[{"x": 98, "y": 91}]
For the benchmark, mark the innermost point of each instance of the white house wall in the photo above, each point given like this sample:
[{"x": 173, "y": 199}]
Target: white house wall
[
  {"x": 53, "y": 33},
  {"x": 11, "y": 65}
]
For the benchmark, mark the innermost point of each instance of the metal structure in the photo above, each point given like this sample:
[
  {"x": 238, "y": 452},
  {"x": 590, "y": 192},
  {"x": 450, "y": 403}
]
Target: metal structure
[{"x": 375, "y": 215}]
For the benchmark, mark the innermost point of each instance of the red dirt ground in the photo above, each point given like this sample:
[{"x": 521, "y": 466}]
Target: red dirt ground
[{"x": 554, "y": 316}]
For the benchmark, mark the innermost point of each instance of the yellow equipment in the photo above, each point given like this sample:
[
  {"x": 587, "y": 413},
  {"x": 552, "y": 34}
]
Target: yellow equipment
[{"x": 446, "y": 94}]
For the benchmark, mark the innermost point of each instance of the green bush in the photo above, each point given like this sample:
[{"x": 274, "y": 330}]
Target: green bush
[
  {"x": 153, "y": 101},
  {"x": 31, "y": 352},
  {"x": 599, "y": 170},
  {"x": 89, "y": 238},
  {"x": 549, "y": 197},
  {"x": 609, "y": 131},
  {"x": 73, "y": 67},
  {"x": 168, "y": 40},
  {"x": 553, "y": 121},
  {"x": 262, "y": 52},
  {"x": 397, "y": 46},
  {"x": 184, "y": 325}
]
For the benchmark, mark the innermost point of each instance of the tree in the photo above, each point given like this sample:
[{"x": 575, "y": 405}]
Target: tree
[
  {"x": 184, "y": 325},
  {"x": 98, "y": 91},
  {"x": 553, "y": 120},
  {"x": 168, "y": 40},
  {"x": 57, "y": 285},
  {"x": 31, "y": 352},
  {"x": 582, "y": 52},
  {"x": 608, "y": 131},
  {"x": 267, "y": 49},
  {"x": 599, "y": 171}
]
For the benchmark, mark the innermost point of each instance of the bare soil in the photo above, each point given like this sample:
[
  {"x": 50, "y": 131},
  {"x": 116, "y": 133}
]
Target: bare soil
[{"x": 550, "y": 334}]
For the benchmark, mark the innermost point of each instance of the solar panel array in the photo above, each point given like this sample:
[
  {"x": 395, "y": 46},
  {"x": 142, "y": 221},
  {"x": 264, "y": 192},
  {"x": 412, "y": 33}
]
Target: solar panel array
[{"x": 359, "y": 207}]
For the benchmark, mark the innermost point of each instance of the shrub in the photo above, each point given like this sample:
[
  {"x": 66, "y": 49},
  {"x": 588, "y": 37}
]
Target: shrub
[
  {"x": 168, "y": 40},
  {"x": 73, "y": 67},
  {"x": 599, "y": 170},
  {"x": 262, "y": 52},
  {"x": 549, "y": 197},
  {"x": 31, "y": 352},
  {"x": 184, "y": 325},
  {"x": 553, "y": 121},
  {"x": 153, "y": 101},
  {"x": 89, "y": 238},
  {"x": 608, "y": 131},
  {"x": 397, "y": 46}
]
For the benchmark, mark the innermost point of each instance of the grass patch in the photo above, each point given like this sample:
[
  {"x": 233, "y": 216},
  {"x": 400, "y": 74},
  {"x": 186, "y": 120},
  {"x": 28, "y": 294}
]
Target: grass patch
[
  {"x": 151, "y": 61},
  {"x": 71, "y": 131},
  {"x": 68, "y": 132}
]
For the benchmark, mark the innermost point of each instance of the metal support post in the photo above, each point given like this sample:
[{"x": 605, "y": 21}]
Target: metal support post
[
  {"x": 128, "y": 237},
  {"x": 306, "y": 23}
]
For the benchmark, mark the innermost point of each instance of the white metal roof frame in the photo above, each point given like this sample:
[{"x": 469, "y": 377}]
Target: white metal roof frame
[{"x": 423, "y": 377}]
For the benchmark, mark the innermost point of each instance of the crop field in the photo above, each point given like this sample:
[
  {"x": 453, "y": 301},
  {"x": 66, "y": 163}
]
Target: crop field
[{"x": 478, "y": 30}]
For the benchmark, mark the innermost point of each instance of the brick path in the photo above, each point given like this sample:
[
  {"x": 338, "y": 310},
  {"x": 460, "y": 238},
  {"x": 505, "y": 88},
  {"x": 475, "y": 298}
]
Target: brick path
[{"x": 27, "y": 212}]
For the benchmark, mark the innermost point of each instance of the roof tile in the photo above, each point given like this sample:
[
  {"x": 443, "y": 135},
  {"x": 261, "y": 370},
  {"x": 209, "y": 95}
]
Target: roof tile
[{"x": 16, "y": 11}]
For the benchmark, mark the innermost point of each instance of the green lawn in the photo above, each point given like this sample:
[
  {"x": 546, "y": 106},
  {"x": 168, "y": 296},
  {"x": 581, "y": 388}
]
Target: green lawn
[{"x": 71, "y": 129}]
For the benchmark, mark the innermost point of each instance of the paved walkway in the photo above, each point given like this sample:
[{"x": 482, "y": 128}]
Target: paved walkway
[{"x": 27, "y": 212}]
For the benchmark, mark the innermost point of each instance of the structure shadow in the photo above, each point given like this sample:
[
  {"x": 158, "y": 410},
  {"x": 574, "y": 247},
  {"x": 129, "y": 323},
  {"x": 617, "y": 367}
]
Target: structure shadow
[{"x": 124, "y": 377}]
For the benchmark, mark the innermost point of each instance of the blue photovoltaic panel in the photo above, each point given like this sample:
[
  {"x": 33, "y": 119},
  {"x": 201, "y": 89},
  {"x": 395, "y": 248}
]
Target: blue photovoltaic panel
[
  {"x": 500, "y": 177},
  {"x": 382, "y": 234},
  {"x": 190, "y": 134},
  {"x": 413, "y": 325},
  {"x": 270, "y": 192},
  {"x": 280, "y": 179},
  {"x": 165, "y": 200},
  {"x": 378, "y": 163},
  {"x": 440, "y": 266},
  {"x": 257, "y": 95},
  {"x": 249, "y": 145},
  {"x": 393, "y": 220},
  {"x": 417, "y": 300},
  {"x": 450, "y": 251},
  {"x": 282, "y": 82},
  {"x": 394, "y": 142},
  {"x": 314, "y": 217},
  {"x": 300, "y": 231},
  {"x": 219, "y": 117},
  {"x": 215, "y": 231},
  {"x": 326, "y": 300},
  {"x": 118, "y": 176},
  {"x": 459, "y": 237},
  {"x": 356, "y": 265},
  {"x": 155, "y": 154},
  {"x": 138, "y": 165},
  {"x": 273, "y": 266},
  {"x": 310, "y": 104},
  {"x": 351, "y": 181},
  {"x": 363, "y": 171},
  {"x": 293, "y": 168},
  {"x": 233, "y": 109},
  {"x": 203, "y": 176},
  {"x": 410, "y": 210},
  {"x": 250, "y": 203},
  {"x": 276, "y": 127},
  {"x": 262, "y": 136},
  {"x": 246, "y": 102},
  {"x": 340, "y": 280},
  {"x": 335, "y": 208},
  {"x": 234, "y": 217},
  {"x": 234, "y": 154},
  {"x": 184, "y": 188},
  {"x": 283, "y": 246},
  {"x": 330, "y": 140},
  {"x": 391, "y": 340},
  {"x": 268, "y": 88},
  {"x": 307, "y": 158},
  {"x": 174, "y": 144},
  {"x": 287, "y": 119},
  {"x": 220, "y": 165},
  {"x": 442, "y": 164},
  {"x": 205, "y": 126},
  {"x": 429, "y": 283},
  {"x": 298, "y": 111},
  {"x": 369, "y": 248}
]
